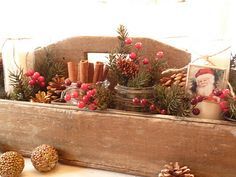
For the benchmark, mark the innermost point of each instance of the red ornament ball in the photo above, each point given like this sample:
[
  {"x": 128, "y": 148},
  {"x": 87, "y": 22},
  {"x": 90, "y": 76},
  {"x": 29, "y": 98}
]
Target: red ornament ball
[
  {"x": 92, "y": 107},
  {"x": 224, "y": 105},
  {"x": 138, "y": 45},
  {"x": 84, "y": 86},
  {"x": 133, "y": 55},
  {"x": 67, "y": 97},
  {"x": 75, "y": 94},
  {"x": 86, "y": 98},
  {"x": 81, "y": 104},
  {"x": 144, "y": 102},
  {"x": 128, "y": 41},
  {"x": 163, "y": 112},
  {"x": 31, "y": 82},
  {"x": 152, "y": 107},
  {"x": 29, "y": 73},
  {"x": 136, "y": 100},
  {"x": 42, "y": 84},
  {"x": 217, "y": 92},
  {"x": 41, "y": 79},
  {"x": 36, "y": 75},
  {"x": 68, "y": 82},
  {"x": 196, "y": 111},
  {"x": 145, "y": 61}
]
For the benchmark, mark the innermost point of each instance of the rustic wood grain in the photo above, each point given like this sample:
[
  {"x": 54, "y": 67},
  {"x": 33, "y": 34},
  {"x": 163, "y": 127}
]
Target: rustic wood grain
[
  {"x": 76, "y": 49},
  {"x": 120, "y": 141}
]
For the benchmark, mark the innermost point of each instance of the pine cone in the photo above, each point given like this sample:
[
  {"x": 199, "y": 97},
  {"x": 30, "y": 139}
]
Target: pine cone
[
  {"x": 56, "y": 86},
  {"x": 174, "y": 170},
  {"x": 41, "y": 97},
  {"x": 175, "y": 79},
  {"x": 127, "y": 67}
]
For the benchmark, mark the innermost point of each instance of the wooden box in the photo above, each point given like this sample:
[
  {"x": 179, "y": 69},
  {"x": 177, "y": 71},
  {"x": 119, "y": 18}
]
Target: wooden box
[{"x": 127, "y": 142}]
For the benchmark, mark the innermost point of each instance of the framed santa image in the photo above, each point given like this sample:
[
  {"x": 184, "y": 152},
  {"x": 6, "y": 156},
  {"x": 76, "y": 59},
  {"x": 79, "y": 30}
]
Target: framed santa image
[{"x": 202, "y": 80}]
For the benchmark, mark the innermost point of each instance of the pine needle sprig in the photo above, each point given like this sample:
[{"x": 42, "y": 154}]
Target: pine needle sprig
[
  {"x": 21, "y": 89},
  {"x": 173, "y": 99},
  {"x": 48, "y": 66}
]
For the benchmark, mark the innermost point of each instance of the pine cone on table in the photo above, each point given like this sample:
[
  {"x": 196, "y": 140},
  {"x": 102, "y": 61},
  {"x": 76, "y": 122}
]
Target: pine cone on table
[
  {"x": 55, "y": 87},
  {"x": 127, "y": 67},
  {"x": 174, "y": 170}
]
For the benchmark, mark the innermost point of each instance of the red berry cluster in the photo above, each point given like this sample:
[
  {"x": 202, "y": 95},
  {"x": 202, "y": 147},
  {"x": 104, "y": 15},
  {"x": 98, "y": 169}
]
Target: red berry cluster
[
  {"x": 85, "y": 95},
  {"x": 148, "y": 105},
  {"x": 35, "y": 78},
  {"x": 223, "y": 95},
  {"x": 194, "y": 102}
]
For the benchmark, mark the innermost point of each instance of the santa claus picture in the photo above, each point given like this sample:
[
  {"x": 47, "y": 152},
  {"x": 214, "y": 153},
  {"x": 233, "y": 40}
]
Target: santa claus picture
[{"x": 203, "y": 80}]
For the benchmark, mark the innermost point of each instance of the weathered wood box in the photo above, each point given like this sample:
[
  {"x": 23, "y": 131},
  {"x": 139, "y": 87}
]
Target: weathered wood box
[{"x": 127, "y": 142}]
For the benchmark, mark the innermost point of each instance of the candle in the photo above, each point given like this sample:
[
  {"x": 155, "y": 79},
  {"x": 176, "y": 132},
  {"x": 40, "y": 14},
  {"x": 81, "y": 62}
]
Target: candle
[{"x": 16, "y": 53}]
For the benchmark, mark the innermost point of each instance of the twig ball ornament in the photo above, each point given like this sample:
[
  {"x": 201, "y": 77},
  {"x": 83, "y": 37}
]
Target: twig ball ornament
[
  {"x": 44, "y": 158},
  {"x": 11, "y": 164}
]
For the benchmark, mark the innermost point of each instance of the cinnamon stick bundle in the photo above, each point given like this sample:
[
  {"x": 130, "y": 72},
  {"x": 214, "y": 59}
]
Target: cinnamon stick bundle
[
  {"x": 105, "y": 72},
  {"x": 72, "y": 71},
  {"x": 100, "y": 76},
  {"x": 84, "y": 66}
]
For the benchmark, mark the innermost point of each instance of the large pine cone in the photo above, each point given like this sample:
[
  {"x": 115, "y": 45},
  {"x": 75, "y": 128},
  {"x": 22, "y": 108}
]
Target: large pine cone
[
  {"x": 174, "y": 170},
  {"x": 55, "y": 87},
  {"x": 127, "y": 67}
]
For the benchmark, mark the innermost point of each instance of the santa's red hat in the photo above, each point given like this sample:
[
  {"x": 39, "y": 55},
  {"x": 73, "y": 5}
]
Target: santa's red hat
[{"x": 204, "y": 71}]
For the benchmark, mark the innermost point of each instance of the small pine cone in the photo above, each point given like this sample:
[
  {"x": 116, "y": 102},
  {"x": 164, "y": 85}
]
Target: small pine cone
[
  {"x": 127, "y": 67},
  {"x": 41, "y": 97},
  {"x": 174, "y": 170},
  {"x": 56, "y": 86}
]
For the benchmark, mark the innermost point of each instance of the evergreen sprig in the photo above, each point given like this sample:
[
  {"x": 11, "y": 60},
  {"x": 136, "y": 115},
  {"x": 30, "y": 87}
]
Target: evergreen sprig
[
  {"x": 173, "y": 99},
  {"x": 48, "y": 66},
  {"x": 21, "y": 89},
  {"x": 104, "y": 97}
]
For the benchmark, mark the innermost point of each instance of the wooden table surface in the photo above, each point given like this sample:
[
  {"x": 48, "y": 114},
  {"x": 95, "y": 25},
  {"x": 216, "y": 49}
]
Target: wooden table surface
[{"x": 68, "y": 171}]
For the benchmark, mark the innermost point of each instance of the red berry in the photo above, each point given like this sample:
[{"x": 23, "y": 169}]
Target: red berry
[
  {"x": 160, "y": 54},
  {"x": 41, "y": 79},
  {"x": 29, "y": 72},
  {"x": 32, "y": 82},
  {"x": 75, "y": 95},
  {"x": 68, "y": 82},
  {"x": 226, "y": 92},
  {"x": 133, "y": 55},
  {"x": 78, "y": 84},
  {"x": 67, "y": 97},
  {"x": 217, "y": 92},
  {"x": 196, "y": 111},
  {"x": 152, "y": 107},
  {"x": 92, "y": 107},
  {"x": 81, "y": 104},
  {"x": 163, "y": 112},
  {"x": 84, "y": 86},
  {"x": 138, "y": 45},
  {"x": 42, "y": 84},
  {"x": 194, "y": 101},
  {"x": 199, "y": 98},
  {"x": 86, "y": 98},
  {"x": 144, "y": 102},
  {"x": 145, "y": 61},
  {"x": 128, "y": 41},
  {"x": 91, "y": 92},
  {"x": 36, "y": 75},
  {"x": 224, "y": 105},
  {"x": 136, "y": 100}
]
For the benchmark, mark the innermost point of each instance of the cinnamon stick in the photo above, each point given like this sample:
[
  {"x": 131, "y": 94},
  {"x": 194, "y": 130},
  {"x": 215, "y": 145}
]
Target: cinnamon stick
[
  {"x": 96, "y": 72},
  {"x": 72, "y": 71},
  {"x": 90, "y": 72},
  {"x": 84, "y": 71},
  {"x": 78, "y": 71},
  {"x": 100, "y": 76}
]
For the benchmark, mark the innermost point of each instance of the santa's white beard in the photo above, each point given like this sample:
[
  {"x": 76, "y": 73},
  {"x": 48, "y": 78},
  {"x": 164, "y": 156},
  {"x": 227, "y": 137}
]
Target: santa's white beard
[{"x": 205, "y": 91}]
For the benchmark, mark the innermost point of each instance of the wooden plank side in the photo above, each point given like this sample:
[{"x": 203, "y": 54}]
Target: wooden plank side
[{"x": 120, "y": 141}]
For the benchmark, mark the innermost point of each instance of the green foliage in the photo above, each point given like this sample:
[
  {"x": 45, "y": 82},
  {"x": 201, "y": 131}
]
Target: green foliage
[
  {"x": 21, "y": 90},
  {"x": 173, "y": 99},
  {"x": 104, "y": 97},
  {"x": 142, "y": 79},
  {"x": 232, "y": 107},
  {"x": 48, "y": 66}
]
